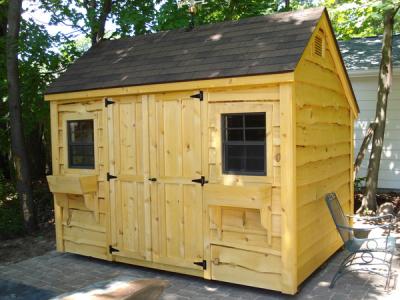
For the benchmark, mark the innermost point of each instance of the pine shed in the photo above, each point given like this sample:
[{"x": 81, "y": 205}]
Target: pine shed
[{"x": 206, "y": 152}]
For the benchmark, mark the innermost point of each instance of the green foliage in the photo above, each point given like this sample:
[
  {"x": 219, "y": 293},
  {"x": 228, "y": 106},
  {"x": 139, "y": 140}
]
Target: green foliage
[
  {"x": 41, "y": 58},
  {"x": 132, "y": 17},
  {"x": 170, "y": 16},
  {"x": 43, "y": 201},
  {"x": 359, "y": 184},
  {"x": 358, "y": 18},
  {"x": 10, "y": 212},
  {"x": 129, "y": 17},
  {"x": 350, "y": 18}
]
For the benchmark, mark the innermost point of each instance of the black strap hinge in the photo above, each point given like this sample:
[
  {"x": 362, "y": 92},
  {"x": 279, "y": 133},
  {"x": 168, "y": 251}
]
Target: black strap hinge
[
  {"x": 111, "y": 249},
  {"x": 201, "y": 264},
  {"x": 108, "y": 102},
  {"x": 109, "y": 176},
  {"x": 199, "y": 96},
  {"x": 202, "y": 180},
  {"x": 153, "y": 179}
]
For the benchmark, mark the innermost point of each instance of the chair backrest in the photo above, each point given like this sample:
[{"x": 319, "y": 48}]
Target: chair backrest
[{"x": 339, "y": 217}]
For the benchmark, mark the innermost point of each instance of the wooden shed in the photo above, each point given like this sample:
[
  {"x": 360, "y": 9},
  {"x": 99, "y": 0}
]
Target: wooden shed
[{"x": 207, "y": 152}]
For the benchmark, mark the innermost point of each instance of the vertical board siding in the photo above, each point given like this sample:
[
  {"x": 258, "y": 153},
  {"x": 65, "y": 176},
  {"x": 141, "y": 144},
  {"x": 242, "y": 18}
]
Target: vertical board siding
[
  {"x": 177, "y": 211},
  {"x": 129, "y": 215},
  {"x": 365, "y": 88},
  {"x": 324, "y": 156}
]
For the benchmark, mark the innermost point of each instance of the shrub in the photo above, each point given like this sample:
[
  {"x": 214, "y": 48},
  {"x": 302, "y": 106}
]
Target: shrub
[{"x": 10, "y": 212}]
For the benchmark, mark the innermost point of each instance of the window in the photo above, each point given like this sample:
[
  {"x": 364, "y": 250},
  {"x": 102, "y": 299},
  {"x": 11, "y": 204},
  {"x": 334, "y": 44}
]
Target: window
[
  {"x": 80, "y": 144},
  {"x": 243, "y": 143}
]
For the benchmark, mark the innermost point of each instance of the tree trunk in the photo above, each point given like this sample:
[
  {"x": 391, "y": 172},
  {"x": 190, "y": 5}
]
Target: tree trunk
[
  {"x": 363, "y": 148},
  {"x": 19, "y": 154},
  {"x": 106, "y": 9},
  {"x": 97, "y": 25},
  {"x": 384, "y": 84}
]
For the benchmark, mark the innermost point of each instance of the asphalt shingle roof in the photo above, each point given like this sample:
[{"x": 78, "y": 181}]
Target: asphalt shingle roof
[
  {"x": 252, "y": 46},
  {"x": 365, "y": 53}
]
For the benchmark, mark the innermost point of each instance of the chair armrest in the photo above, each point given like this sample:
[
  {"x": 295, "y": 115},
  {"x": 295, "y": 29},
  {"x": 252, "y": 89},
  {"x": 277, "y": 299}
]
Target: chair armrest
[
  {"x": 371, "y": 218},
  {"x": 362, "y": 228}
]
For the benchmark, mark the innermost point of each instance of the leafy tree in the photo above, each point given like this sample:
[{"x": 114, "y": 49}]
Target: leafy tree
[
  {"x": 89, "y": 17},
  {"x": 389, "y": 9},
  {"x": 19, "y": 153},
  {"x": 170, "y": 16},
  {"x": 356, "y": 18}
]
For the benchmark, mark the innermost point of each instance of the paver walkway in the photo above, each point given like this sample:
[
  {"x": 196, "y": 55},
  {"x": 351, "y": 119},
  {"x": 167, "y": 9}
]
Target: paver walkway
[{"x": 47, "y": 276}]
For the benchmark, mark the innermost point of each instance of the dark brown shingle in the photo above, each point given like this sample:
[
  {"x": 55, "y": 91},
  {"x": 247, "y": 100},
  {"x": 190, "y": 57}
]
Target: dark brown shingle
[{"x": 258, "y": 45}]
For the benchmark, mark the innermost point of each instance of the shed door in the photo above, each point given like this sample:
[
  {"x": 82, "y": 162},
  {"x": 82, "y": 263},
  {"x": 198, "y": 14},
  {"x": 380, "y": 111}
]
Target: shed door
[
  {"x": 129, "y": 191},
  {"x": 177, "y": 200}
]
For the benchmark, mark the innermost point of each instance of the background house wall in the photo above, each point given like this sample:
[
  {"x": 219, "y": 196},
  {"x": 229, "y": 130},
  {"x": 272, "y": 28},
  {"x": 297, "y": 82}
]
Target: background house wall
[
  {"x": 365, "y": 86},
  {"x": 362, "y": 58}
]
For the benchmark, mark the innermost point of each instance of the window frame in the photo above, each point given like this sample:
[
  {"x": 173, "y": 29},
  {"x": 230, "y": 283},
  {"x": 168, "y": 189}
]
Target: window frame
[
  {"x": 70, "y": 146},
  {"x": 63, "y": 141},
  {"x": 243, "y": 142}
]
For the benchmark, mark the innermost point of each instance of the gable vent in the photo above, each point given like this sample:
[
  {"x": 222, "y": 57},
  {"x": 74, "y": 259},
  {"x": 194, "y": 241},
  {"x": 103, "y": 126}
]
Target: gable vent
[{"x": 318, "y": 46}]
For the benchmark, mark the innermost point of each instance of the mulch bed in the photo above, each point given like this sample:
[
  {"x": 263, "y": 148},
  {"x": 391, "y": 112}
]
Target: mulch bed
[
  {"x": 392, "y": 197},
  {"x": 21, "y": 248}
]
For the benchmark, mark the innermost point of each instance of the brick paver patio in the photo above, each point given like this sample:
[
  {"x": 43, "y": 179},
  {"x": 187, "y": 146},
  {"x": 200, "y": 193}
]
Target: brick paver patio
[{"x": 50, "y": 275}]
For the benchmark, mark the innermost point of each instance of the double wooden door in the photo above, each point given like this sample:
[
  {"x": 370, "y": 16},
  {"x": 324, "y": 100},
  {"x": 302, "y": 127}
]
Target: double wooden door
[{"x": 156, "y": 208}]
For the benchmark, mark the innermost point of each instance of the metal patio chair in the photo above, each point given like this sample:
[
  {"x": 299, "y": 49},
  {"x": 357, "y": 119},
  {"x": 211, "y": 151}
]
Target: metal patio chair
[{"x": 367, "y": 254}]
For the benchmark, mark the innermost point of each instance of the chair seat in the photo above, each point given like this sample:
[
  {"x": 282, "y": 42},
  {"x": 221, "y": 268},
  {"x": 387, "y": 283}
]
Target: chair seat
[{"x": 374, "y": 244}]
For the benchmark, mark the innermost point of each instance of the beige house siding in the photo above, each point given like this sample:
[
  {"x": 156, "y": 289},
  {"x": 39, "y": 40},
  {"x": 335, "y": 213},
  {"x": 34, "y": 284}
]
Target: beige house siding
[{"x": 365, "y": 84}]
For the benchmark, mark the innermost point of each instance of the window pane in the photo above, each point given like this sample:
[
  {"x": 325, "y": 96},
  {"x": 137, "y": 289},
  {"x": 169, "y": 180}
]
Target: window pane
[
  {"x": 234, "y": 121},
  {"x": 255, "y": 165},
  {"x": 255, "y": 158},
  {"x": 234, "y": 164},
  {"x": 255, "y": 120},
  {"x": 235, "y": 151},
  {"x": 81, "y": 131},
  {"x": 80, "y": 144},
  {"x": 82, "y": 156},
  {"x": 244, "y": 143},
  {"x": 255, "y": 151},
  {"x": 255, "y": 134},
  {"x": 234, "y": 135}
]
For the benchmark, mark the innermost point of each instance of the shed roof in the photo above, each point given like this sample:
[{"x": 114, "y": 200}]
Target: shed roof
[
  {"x": 365, "y": 53},
  {"x": 252, "y": 46}
]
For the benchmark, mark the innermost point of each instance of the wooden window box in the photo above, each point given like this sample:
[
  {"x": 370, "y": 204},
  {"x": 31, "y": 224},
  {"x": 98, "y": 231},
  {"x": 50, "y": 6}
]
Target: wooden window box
[{"x": 86, "y": 186}]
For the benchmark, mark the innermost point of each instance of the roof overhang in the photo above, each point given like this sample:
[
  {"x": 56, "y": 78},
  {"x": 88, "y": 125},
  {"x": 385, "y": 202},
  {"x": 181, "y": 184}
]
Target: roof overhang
[{"x": 231, "y": 82}]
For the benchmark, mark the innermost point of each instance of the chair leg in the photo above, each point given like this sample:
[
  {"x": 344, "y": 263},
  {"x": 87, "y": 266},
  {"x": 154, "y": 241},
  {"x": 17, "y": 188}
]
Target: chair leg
[
  {"x": 342, "y": 266},
  {"x": 389, "y": 273}
]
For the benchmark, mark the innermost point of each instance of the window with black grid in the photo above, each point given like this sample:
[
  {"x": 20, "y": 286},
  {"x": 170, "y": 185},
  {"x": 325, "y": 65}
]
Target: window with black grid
[
  {"x": 244, "y": 143},
  {"x": 80, "y": 144}
]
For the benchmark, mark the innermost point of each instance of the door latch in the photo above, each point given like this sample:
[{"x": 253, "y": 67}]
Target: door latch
[
  {"x": 202, "y": 180},
  {"x": 201, "y": 264},
  {"x": 109, "y": 177}
]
